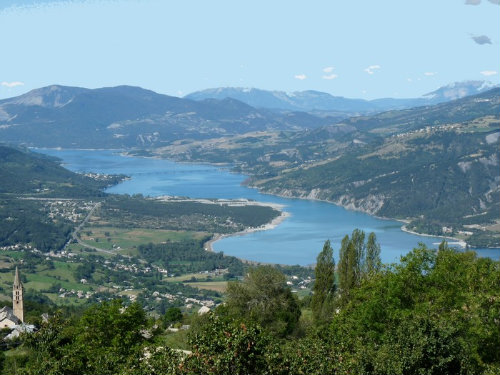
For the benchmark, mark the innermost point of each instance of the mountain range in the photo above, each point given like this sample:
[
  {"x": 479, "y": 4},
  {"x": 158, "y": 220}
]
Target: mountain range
[
  {"x": 125, "y": 116},
  {"x": 321, "y": 101},
  {"x": 435, "y": 165}
]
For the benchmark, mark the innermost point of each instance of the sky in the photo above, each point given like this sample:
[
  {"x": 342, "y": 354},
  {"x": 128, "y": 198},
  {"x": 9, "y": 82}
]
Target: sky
[{"x": 352, "y": 48}]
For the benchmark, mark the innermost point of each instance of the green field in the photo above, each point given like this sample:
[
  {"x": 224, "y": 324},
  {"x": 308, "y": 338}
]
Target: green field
[
  {"x": 126, "y": 240},
  {"x": 63, "y": 273},
  {"x": 218, "y": 286}
]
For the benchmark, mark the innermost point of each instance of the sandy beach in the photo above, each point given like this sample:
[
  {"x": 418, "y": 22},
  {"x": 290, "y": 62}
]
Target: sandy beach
[
  {"x": 456, "y": 241},
  {"x": 273, "y": 224}
]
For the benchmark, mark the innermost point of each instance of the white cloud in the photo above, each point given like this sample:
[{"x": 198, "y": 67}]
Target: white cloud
[
  {"x": 300, "y": 76},
  {"x": 328, "y": 69},
  {"x": 430, "y": 74},
  {"x": 488, "y": 73},
  {"x": 12, "y": 84},
  {"x": 330, "y": 76},
  {"x": 497, "y": 2},
  {"x": 409, "y": 79},
  {"x": 371, "y": 69}
]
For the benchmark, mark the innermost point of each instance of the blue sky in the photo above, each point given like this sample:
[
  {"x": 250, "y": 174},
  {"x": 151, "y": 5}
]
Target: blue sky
[{"x": 353, "y": 48}]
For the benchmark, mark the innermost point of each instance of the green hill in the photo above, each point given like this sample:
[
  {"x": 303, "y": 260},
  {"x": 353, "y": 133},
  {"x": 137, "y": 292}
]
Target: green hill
[{"x": 25, "y": 172}]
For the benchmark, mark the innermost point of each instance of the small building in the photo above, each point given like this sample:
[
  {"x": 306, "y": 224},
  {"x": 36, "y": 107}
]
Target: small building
[
  {"x": 203, "y": 310},
  {"x": 7, "y": 318}
]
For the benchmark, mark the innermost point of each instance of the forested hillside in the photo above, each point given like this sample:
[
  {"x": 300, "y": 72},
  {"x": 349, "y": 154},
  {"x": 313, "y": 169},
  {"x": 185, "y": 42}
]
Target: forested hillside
[
  {"x": 29, "y": 183},
  {"x": 437, "y": 178}
]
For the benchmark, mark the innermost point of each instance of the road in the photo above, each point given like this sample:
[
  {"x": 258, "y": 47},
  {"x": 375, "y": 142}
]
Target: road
[{"x": 74, "y": 234}]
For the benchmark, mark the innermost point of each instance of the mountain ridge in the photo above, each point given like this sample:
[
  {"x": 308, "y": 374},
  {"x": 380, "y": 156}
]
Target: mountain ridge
[
  {"x": 127, "y": 116},
  {"x": 312, "y": 100}
]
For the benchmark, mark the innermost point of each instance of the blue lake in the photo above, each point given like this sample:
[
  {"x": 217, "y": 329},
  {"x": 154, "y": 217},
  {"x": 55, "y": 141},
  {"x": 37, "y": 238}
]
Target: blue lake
[{"x": 297, "y": 240}]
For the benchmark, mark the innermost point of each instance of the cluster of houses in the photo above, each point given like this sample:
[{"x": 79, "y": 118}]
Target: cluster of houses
[
  {"x": 71, "y": 210},
  {"x": 429, "y": 129}
]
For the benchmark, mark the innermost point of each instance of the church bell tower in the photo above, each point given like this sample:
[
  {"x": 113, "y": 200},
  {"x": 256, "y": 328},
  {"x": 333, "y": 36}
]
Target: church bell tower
[{"x": 17, "y": 297}]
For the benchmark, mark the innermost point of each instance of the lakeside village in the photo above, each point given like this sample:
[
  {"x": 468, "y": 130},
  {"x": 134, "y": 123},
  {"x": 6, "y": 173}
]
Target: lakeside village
[
  {"x": 131, "y": 266},
  {"x": 113, "y": 275},
  {"x": 123, "y": 264},
  {"x": 82, "y": 272},
  {"x": 13, "y": 318}
]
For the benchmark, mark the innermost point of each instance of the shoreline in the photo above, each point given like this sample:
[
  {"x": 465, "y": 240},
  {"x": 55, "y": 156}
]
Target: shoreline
[
  {"x": 126, "y": 153},
  {"x": 456, "y": 241},
  {"x": 403, "y": 228},
  {"x": 208, "y": 246}
]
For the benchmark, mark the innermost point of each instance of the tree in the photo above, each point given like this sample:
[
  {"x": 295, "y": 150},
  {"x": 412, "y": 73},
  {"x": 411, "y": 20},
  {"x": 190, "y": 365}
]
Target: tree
[
  {"x": 357, "y": 260},
  {"x": 172, "y": 315},
  {"x": 372, "y": 262},
  {"x": 227, "y": 347},
  {"x": 102, "y": 341},
  {"x": 434, "y": 313},
  {"x": 358, "y": 255},
  {"x": 264, "y": 297},
  {"x": 324, "y": 285},
  {"x": 343, "y": 264},
  {"x": 443, "y": 246},
  {"x": 349, "y": 271}
]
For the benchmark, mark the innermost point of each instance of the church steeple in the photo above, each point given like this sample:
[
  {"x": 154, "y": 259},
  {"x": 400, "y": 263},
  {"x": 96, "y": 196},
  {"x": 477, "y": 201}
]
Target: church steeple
[{"x": 17, "y": 297}]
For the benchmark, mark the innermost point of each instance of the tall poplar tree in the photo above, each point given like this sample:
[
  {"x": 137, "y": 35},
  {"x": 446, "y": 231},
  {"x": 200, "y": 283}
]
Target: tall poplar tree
[
  {"x": 324, "y": 285},
  {"x": 343, "y": 264},
  {"x": 358, "y": 255},
  {"x": 372, "y": 262},
  {"x": 357, "y": 260}
]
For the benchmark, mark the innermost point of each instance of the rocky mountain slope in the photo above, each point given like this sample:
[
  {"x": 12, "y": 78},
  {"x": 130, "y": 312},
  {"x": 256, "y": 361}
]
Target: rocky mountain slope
[{"x": 124, "y": 116}]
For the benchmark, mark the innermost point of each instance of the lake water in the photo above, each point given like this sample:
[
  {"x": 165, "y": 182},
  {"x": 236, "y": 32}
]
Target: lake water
[{"x": 297, "y": 240}]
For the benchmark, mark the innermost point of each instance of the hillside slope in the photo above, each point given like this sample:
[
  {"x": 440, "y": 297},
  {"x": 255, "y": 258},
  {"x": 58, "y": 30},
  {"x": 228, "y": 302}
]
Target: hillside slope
[
  {"x": 435, "y": 166},
  {"x": 124, "y": 117}
]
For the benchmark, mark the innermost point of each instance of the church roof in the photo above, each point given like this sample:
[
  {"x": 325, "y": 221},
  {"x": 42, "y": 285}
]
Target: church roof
[
  {"x": 17, "y": 280},
  {"x": 7, "y": 313}
]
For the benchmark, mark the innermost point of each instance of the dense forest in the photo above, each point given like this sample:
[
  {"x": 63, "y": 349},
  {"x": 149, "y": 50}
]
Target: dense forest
[
  {"x": 189, "y": 256},
  {"x": 435, "y": 312},
  {"x": 215, "y": 217}
]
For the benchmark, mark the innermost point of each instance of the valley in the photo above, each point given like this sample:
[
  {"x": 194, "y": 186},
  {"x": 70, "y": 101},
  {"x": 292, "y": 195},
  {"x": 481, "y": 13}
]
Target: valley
[
  {"x": 165, "y": 216},
  {"x": 77, "y": 245},
  {"x": 411, "y": 165},
  {"x": 249, "y": 187},
  {"x": 433, "y": 167}
]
